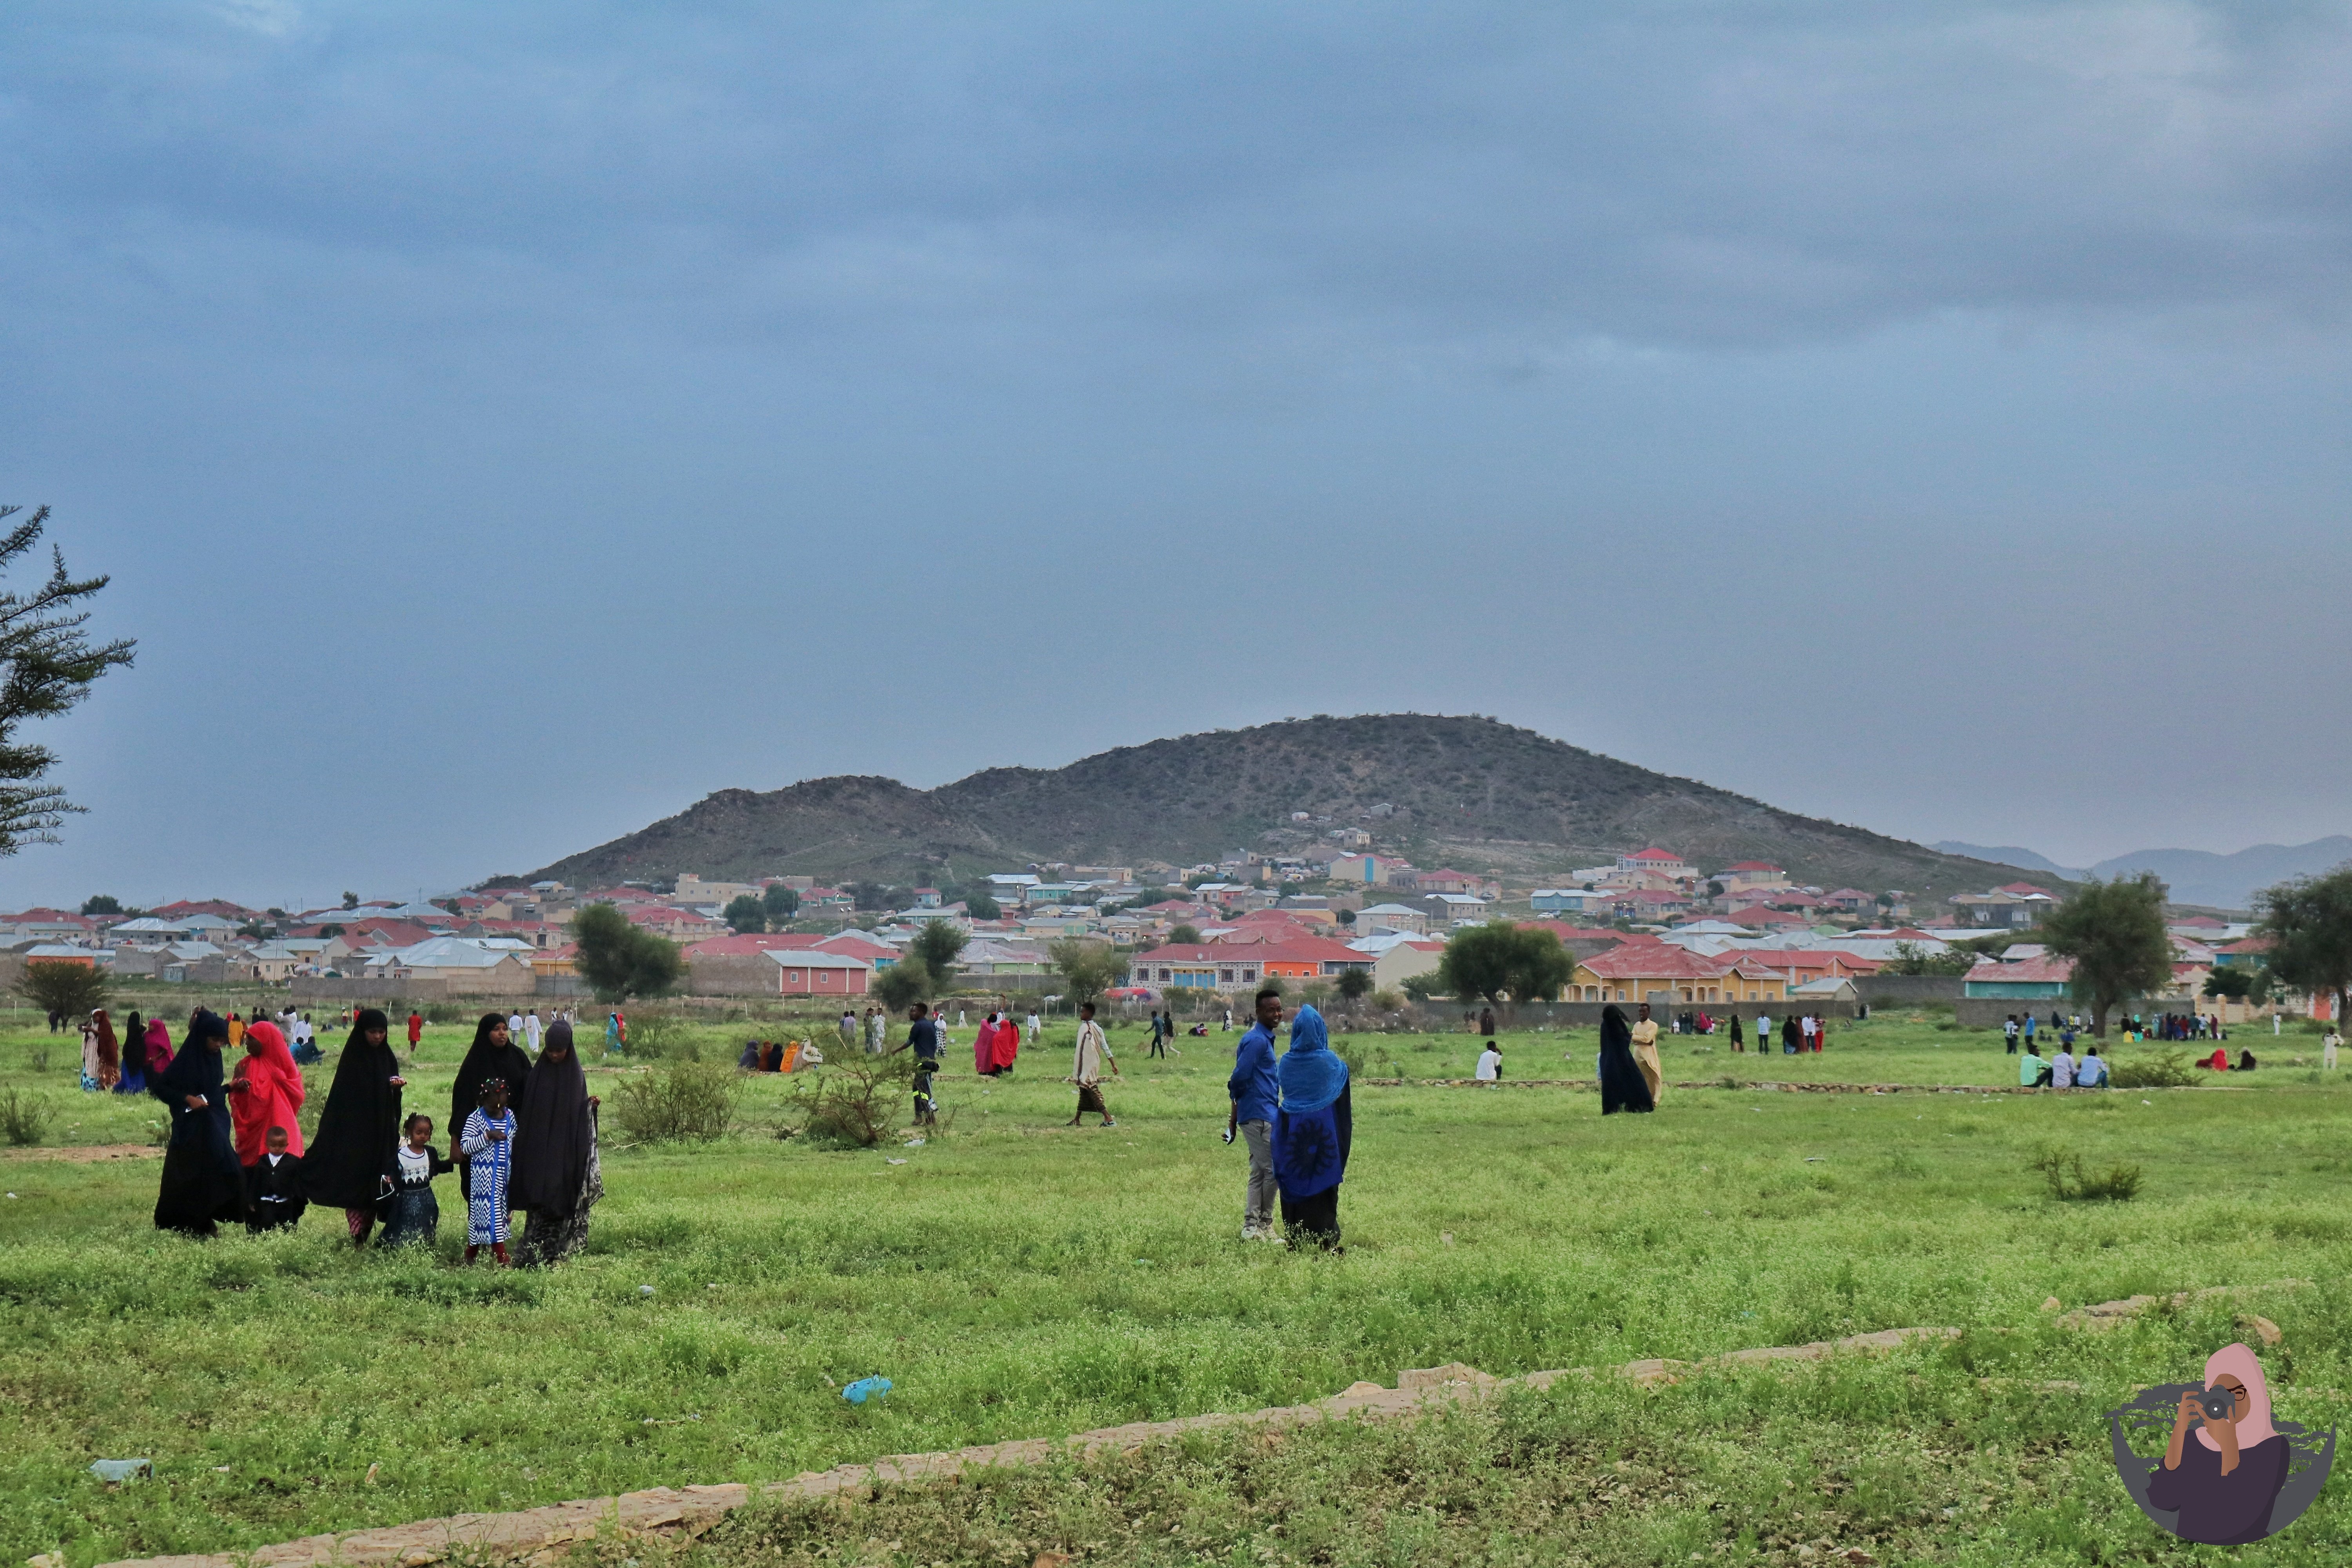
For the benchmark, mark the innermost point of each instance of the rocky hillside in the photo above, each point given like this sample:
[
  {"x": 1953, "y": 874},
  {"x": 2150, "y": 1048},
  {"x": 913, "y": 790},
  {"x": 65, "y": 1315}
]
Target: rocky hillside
[{"x": 1471, "y": 792}]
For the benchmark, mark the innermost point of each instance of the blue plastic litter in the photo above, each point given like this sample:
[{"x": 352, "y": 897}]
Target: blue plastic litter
[
  {"x": 866, "y": 1388},
  {"x": 120, "y": 1470}
]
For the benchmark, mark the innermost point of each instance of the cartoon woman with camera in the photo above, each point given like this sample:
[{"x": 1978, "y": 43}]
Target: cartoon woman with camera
[{"x": 2225, "y": 1483}]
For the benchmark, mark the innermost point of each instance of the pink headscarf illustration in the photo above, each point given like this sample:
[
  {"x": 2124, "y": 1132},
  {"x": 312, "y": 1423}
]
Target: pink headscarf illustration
[
  {"x": 2254, "y": 1426},
  {"x": 2243, "y": 1479}
]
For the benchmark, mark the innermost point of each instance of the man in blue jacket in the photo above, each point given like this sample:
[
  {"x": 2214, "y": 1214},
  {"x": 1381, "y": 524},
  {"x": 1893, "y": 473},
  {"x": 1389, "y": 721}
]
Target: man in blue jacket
[{"x": 1254, "y": 1095}]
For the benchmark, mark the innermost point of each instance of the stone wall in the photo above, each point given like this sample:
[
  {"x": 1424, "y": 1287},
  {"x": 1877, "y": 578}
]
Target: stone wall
[
  {"x": 312, "y": 988},
  {"x": 1446, "y": 1017},
  {"x": 734, "y": 975},
  {"x": 1986, "y": 1012},
  {"x": 1888, "y": 989}
]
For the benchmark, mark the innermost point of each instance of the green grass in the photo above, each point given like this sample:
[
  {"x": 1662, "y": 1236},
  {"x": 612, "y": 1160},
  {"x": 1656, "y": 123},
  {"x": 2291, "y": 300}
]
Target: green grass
[
  {"x": 1017, "y": 1280},
  {"x": 1949, "y": 1458}
]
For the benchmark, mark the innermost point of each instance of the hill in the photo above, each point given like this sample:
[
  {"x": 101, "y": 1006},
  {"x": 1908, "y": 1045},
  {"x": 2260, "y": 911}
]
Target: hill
[
  {"x": 2010, "y": 855},
  {"x": 1472, "y": 793},
  {"x": 2196, "y": 876}
]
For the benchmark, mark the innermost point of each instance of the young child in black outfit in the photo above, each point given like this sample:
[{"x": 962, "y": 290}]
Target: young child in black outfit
[
  {"x": 273, "y": 1200},
  {"x": 411, "y": 1214}
]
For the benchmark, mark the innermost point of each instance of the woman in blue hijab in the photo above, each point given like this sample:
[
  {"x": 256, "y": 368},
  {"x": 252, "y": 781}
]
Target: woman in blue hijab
[{"x": 1312, "y": 1129}]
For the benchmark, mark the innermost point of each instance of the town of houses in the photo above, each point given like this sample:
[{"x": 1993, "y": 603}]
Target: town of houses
[{"x": 1678, "y": 934}]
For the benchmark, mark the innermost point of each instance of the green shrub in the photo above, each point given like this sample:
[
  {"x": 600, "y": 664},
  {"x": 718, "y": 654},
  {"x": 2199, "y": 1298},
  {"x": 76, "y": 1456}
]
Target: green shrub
[
  {"x": 657, "y": 1037},
  {"x": 857, "y": 1103},
  {"x": 23, "y": 1117},
  {"x": 2170, "y": 1070},
  {"x": 688, "y": 1100},
  {"x": 2069, "y": 1183}
]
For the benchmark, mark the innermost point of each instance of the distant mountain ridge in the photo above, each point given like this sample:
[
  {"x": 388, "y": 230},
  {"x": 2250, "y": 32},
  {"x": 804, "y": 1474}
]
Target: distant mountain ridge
[
  {"x": 2195, "y": 875},
  {"x": 2012, "y": 855},
  {"x": 1472, "y": 792}
]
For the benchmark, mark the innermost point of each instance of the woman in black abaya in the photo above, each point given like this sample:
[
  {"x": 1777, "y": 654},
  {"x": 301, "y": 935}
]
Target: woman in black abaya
[
  {"x": 203, "y": 1184},
  {"x": 493, "y": 1055},
  {"x": 1622, "y": 1087},
  {"x": 357, "y": 1131},
  {"x": 556, "y": 1176}
]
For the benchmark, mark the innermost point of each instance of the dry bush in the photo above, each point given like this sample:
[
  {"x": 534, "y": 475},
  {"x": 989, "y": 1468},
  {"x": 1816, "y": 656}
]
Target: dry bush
[
  {"x": 856, "y": 1103},
  {"x": 687, "y": 1100}
]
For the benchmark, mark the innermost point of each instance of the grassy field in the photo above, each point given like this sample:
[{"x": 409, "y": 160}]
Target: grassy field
[{"x": 1014, "y": 1279}]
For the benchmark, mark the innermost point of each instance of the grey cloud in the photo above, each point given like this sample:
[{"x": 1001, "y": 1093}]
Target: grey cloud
[
  {"x": 1698, "y": 175},
  {"x": 527, "y": 384}
]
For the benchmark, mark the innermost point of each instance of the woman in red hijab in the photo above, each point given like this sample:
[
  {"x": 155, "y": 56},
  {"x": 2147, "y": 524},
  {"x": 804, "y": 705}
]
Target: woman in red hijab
[
  {"x": 1005, "y": 1045},
  {"x": 159, "y": 1047},
  {"x": 110, "y": 1050},
  {"x": 266, "y": 1093},
  {"x": 983, "y": 1047}
]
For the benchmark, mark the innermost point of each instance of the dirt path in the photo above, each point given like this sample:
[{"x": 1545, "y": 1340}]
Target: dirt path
[{"x": 84, "y": 1153}]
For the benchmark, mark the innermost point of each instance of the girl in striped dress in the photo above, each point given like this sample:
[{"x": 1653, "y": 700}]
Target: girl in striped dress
[{"x": 488, "y": 1144}]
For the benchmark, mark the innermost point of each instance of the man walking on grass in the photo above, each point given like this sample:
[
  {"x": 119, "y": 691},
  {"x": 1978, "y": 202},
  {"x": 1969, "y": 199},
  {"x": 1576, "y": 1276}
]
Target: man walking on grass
[
  {"x": 1087, "y": 1064},
  {"x": 1254, "y": 1095},
  {"x": 923, "y": 1039}
]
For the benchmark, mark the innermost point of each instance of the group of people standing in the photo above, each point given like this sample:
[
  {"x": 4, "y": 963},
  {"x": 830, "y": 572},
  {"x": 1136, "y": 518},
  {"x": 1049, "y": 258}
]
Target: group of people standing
[
  {"x": 2020, "y": 1027},
  {"x": 873, "y": 1027},
  {"x": 997, "y": 1046},
  {"x": 1799, "y": 1032},
  {"x": 523, "y": 1137},
  {"x": 122, "y": 1065}
]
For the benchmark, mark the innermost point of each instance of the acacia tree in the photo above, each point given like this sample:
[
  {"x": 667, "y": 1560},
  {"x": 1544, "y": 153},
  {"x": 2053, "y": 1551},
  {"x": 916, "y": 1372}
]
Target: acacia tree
[
  {"x": 620, "y": 960},
  {"x": 781, "y": 903},
  {"x": 2309, "y": 923},
  {"x": 903, "y": 985},
  {"x": 2114, "y": 934},
  {"x": 46, "y": 665},
  {"x": 57, "y": 985},
  {"x": 1087, "y": 968},
  {"x": 1500, "y": 959},
  {"x": 936, "y": 948},
  {"x": 746, "y": 913}
]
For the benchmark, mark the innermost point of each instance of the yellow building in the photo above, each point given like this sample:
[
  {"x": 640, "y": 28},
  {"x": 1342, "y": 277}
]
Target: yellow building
[{"x": 1662, "y": 974}]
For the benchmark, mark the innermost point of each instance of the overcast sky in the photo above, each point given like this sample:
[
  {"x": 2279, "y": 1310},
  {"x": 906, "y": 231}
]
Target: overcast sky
[{"x": 506, "y": 424}]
